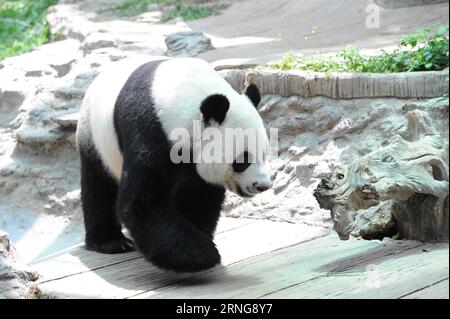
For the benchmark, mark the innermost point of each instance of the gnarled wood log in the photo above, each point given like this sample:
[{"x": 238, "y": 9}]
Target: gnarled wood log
[{"x": 401, "y": 188}]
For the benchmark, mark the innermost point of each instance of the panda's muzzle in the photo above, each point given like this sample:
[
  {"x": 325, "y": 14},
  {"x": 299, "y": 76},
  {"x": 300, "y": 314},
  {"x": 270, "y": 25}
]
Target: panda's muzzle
[
  {"x": 261, "y": 187},
  {"x": 254, "y": 190}
]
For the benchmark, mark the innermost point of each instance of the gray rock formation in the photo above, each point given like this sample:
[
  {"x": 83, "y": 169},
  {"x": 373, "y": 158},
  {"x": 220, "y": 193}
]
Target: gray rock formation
[
  {"x": 52, "y": 60},
  {"x": 41, "y": 123},
  {"x": 98, "y": 40},
  {"x": 11, "y": 98},
  {"x": 67, "y": 21},
  {"x": 400, "y": 188},
  {"x": 16, "y": 280},
  {"x": 187, "y": 44}
]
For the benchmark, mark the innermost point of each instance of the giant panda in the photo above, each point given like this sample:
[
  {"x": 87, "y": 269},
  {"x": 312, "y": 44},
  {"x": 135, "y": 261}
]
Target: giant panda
[{"x": 127, "y": 175}]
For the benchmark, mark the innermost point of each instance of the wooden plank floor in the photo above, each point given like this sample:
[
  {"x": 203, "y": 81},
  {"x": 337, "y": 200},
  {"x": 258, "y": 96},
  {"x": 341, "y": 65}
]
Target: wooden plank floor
[{"x": 261, "y": 259}]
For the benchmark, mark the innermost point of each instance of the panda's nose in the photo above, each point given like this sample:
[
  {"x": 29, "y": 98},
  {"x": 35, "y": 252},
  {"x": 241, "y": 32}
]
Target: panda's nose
[{"x": 261, "y": 187}]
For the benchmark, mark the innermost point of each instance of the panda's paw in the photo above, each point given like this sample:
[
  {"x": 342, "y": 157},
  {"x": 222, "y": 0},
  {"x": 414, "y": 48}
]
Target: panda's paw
[
  {"x": 194, "y": 253},
  {"x": 112, "y": 246}
]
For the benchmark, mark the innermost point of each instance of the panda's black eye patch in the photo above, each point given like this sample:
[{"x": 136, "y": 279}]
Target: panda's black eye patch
[{"x": 242, "y": 162}]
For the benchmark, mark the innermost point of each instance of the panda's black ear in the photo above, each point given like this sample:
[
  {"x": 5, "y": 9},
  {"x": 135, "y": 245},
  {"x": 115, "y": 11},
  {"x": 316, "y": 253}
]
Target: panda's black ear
[
  {"x": 215, "y": 107},
  {"x": 253, "y": 94}
]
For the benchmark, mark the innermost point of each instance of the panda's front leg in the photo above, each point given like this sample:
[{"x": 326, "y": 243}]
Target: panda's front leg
[
  {"x": 199, "y": 202},
  {"x": 159, "y": 231}
]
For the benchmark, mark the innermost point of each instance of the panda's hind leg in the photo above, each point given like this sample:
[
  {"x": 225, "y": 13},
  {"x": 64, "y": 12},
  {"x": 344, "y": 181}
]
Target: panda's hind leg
[{"x": 99, "y": 195}]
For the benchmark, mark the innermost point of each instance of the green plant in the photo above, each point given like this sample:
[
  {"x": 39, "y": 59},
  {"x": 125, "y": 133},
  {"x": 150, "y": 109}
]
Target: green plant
[
  {"x": 182, "y": 8},
  {"x": 423, "y": 51},
  {"x": 430, "y": 49},
  {"x": 189, "y": 13},
  {"x": 133, "y": 7},
  {"x": 23, "y": 25},
  {"x": 288, "y": 62}
]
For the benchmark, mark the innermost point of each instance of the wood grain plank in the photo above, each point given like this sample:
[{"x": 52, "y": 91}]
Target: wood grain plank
[
  {"x": 137, "y": 276},
  {"x": 79, "y": 260},
  {"x": 383, "y": 277},
  {"x": 227, "y": 223},
  {"x": 267, "y": 273},
  {"x": 439, "y": 290}
]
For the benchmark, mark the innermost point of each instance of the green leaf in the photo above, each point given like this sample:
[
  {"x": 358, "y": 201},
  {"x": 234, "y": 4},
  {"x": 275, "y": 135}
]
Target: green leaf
[{"x": 442, "y": 30}]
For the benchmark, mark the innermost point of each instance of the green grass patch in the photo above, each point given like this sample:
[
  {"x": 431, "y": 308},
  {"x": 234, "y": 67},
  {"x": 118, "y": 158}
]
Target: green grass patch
[
  {"x": 134, "y": 7},
  {"x": 182, "y": 8},
  {"x": 189, "y": 13},
  {"x": 424, "y": 51},
  {"x": 23, "y": 25}
]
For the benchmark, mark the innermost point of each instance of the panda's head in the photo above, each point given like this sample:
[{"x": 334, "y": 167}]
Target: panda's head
[{"x": 241, "y": 166}]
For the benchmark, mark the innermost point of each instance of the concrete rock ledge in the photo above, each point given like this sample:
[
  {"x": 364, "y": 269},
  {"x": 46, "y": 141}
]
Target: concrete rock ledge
[{"x": 342, "y": 85}]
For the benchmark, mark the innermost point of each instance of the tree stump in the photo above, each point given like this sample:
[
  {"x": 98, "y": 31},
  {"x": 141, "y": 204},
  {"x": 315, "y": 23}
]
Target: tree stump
[{"x": 401, "y": 189}]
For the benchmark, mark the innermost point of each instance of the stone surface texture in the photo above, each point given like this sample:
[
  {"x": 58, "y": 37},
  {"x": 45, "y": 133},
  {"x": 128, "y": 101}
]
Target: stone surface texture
[
  {"x": 187, "y": 44},
  {"x": 16, "y": 280}
]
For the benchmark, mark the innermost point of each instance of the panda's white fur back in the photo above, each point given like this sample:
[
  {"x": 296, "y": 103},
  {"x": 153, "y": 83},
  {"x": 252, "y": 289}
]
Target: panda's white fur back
[
  {"x": 98, "y": 112},
  {"x": 178, "y": 89}
]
